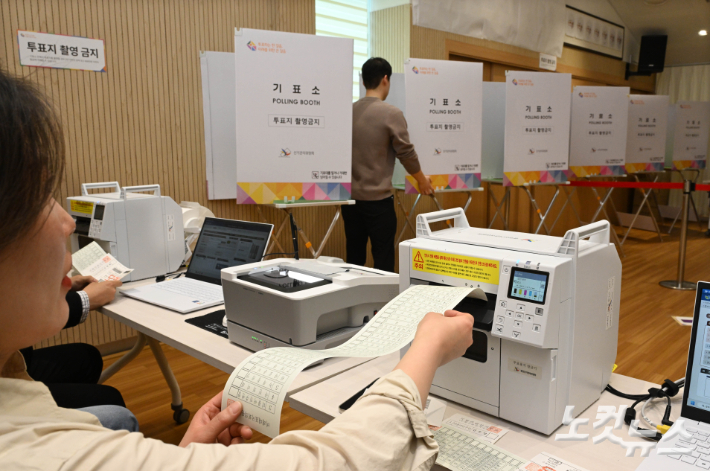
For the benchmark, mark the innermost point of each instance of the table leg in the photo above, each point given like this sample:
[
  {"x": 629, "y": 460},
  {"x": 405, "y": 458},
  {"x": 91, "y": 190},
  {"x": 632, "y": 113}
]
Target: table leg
[
  {"x": 180, "y": 414},
  {"x": 125, "y": 359}
]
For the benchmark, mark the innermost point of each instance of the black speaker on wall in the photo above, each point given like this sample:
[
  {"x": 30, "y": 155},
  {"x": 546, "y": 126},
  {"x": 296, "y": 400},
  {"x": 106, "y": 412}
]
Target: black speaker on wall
[{"x": 652, "y": 56}]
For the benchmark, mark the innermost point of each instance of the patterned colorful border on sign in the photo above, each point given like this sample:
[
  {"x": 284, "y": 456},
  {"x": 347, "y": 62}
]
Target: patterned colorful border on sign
[
  {"x": 453, "y": 181},
  {"x": 683, "y": 164},
  {"x": 644, "y": 167},
  {"x": 523, "y": 178},
  {"x": 270, "y": 193},
  {"x": 595, "y": 170}
]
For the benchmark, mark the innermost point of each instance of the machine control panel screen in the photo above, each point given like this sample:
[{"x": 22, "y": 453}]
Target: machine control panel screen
[
  {"x": 99, "y": 212},
  {"x": 528, "y": 285},
  {"x": 698, "y": 388}
]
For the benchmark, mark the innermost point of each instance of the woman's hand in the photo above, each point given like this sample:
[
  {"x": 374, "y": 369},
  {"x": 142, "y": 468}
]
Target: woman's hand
[
  {"x": 210, "y": 425},
  {"x": 446, "y": 337},
  {"x": 439, "y": 339}
]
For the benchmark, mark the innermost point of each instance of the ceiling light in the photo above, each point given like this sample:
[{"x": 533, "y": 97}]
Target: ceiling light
[
  {"x": 654, "y": 2},
  {"x": 702, "y": 32}
]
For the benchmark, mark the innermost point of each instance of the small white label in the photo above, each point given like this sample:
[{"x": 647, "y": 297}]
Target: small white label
[
  {"x": 610, "y": 302},
  {"x": 524, "y": 368},
  {"x": 548, "y": 62}
]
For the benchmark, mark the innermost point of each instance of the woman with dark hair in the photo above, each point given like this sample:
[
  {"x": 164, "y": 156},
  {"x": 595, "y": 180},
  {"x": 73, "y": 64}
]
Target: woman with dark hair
[{"x": 385, "y": 430}]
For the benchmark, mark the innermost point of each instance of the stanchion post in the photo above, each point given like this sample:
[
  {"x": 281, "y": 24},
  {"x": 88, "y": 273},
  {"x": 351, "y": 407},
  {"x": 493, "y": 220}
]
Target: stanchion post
[{"x": 679, "y": 283}]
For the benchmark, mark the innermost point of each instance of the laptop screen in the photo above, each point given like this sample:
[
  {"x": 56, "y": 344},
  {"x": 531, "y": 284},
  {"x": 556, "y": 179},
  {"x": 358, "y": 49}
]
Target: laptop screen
[
  {"x": 227, "y": 243},
  {"x": 696, "y": 397}
]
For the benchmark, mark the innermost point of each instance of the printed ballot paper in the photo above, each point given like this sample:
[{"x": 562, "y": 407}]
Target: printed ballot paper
[
  {"x": 548, "y": 462},
  {"x": 460, "y": 450},
  {"x": 92, "y": 260},
  {"x": 261, "y": 381},
  {"x": 482, "y": 430}
]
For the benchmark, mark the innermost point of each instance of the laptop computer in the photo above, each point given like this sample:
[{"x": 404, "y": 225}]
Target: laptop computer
[
  {"x": 695, "y": 410},
  {"x": 223, "y": 243}
]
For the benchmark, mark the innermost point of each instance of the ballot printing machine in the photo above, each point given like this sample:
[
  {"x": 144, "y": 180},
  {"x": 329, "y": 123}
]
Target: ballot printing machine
[
  {"x": 142, "y": 231},
  {"x": 546, "y": 313},
  {"x": 315, "y": 304}
]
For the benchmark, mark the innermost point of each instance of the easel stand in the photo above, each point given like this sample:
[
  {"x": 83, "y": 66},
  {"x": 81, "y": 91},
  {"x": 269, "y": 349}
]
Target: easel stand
[
  {"x": 287, "y": 208},
  {"x": 180, "y": 414},
  {"x": 679, "y": 283},
  {"x": 646, "y": 194},
  {"x": 412, "y": 214},
  {"x": 696, "y": 171},
  {"x": 544, "y": 215},
  {"x": 505, "y": 217}
]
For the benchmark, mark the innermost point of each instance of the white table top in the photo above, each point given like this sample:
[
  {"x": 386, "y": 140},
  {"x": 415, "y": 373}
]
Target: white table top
[
  {"x": 322, "y": 400},
  {"x": 170, "y": 328}
]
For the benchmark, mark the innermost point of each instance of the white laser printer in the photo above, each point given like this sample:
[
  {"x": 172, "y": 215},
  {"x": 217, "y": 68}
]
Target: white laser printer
[
  {"x": 143, "y": 231},
  {"x": 313, "y": 304},
  {"x": 546, "y": 315}
]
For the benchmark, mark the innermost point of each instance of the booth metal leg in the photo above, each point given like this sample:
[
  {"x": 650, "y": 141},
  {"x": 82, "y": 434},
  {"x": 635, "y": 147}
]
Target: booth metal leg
[
  {"x": 505, "y": 200},
  {"x": 317, "y": 252},
  {"x": 180, "y": 414},
  {"x": 275, "y": 238},
  {"x": 568, "y": 200},
  {"x": 638, "y": 211},
  {"x": 409, "y": 215},
  {"x": 602, "y": 204},
  {"x": 542, "y": 215},
  {"x": 679, "y": 283}
]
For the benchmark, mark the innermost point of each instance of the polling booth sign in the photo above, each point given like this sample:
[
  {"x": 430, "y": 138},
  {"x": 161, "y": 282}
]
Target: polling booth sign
[
  {"x": 294, "y": 117},
  {"x": 691, "y": 125},
  {"x": 537, "y": 122},
  {"x": 599, "y": 128},
  {"x": 646, "y": 133},
  {"x": 443, "y": 103}
]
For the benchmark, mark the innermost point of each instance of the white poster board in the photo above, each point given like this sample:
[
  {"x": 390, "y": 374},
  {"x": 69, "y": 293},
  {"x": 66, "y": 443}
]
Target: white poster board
[
  {"x": 598, "y": 131},
  {"x": 493, "y": 131},
  {"x": 646, "y": 134},
  {"x": 294, "y": 117},
  {"x": 444, "y": 119},
  {"x": 395, "y": 98},
  {"x": 220, "y": 115},
  {"x": 537, "y": 122},
  {"x": 690, "y": 134}
]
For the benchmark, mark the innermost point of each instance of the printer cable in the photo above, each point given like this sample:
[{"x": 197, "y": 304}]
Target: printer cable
[{"x": 667, "y": 390}]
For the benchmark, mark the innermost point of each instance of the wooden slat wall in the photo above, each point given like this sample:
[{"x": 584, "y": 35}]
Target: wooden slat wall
[
  {"x": 389, "y": 35},
  {"x": 141, "y": 122}
]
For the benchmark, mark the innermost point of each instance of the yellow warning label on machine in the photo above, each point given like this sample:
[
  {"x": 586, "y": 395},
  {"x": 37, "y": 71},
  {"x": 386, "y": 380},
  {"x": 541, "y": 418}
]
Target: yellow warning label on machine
[
  {"x": 85, "y": 207},
  {"x": 470, "y": 268}
]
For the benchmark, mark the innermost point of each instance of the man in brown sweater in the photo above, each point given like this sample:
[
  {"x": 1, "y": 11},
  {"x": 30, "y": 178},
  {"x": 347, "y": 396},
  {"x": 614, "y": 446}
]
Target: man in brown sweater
[{"x": 379, "y": 136}]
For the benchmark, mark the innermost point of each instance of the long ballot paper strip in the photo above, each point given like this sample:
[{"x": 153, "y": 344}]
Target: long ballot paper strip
[{"x": 261, "y": 381}]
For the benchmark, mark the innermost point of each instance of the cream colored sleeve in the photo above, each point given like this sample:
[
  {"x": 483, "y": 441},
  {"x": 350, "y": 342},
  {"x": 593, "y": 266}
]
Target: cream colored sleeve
[{"x": 385, "y": 430}]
